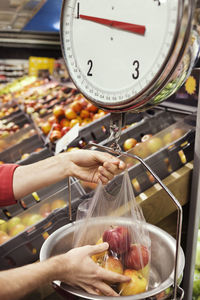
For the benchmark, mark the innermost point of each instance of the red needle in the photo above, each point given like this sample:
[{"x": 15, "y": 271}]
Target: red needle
[{"x": 139, "y": 29}]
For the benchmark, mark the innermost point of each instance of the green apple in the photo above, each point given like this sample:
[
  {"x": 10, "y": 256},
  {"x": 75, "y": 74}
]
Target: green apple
[
  {"x": 3, "y": 225},
  {"x": 25, "y": 218},
  {"x": 13, "y": 222},
  {"x": 34, "y": 219},
  {"x": 17, "y": 229},
  {"x": 154, "y": 144}
]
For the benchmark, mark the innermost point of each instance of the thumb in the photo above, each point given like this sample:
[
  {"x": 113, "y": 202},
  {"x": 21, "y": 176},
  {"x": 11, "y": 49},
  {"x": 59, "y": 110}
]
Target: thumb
[{"x": 98, "y": 248}]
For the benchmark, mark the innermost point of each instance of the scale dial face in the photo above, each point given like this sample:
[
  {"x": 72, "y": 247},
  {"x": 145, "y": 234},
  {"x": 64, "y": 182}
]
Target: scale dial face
[{"x": 115, "y": 49}]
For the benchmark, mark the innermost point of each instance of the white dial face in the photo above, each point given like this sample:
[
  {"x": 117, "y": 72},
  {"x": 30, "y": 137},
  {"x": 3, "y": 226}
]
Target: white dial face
[{"x": 114, "y": 48}]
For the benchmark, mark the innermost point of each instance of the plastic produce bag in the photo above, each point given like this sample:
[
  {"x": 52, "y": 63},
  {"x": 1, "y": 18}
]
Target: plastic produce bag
[{"x": 118, "y": 220}]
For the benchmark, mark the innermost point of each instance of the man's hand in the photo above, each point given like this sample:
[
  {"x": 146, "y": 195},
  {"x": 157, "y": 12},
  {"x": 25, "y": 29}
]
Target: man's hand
[{"x": 76, "y": 268}]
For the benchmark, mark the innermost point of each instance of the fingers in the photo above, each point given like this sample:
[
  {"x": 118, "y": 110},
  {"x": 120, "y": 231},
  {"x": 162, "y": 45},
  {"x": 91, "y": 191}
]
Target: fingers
[
  {"x": 95, "y": 249},
  {"x": 105, "y": 289},
  {"x": 112, "y": 277}
]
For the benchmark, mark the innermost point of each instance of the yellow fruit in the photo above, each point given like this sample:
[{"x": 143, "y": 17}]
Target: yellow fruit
[
  {"x": 100, "y": 257},
  {"x": 136, "y": 285}
]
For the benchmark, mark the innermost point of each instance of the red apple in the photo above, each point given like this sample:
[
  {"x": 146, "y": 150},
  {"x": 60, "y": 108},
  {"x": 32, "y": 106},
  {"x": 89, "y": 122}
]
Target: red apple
[
  {"x": 137, "y": 257},
  {"x": 129, "y": 144},
  {"x": 92, "y": 108},
  {"x": 58, "y": 111},
  {"x": 64, "y": 130},
  {"x": 118, "y": 239},
  {"x": 64, "y": 123},
  {"x": 55, "y": 135},
  {"x": 56, "y": 126},
  {"x": 76, "y": 106},
  {"x": 84, "y": 114}
]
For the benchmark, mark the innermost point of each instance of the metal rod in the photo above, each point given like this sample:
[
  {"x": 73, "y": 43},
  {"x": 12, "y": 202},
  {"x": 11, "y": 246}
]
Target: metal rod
[
  {"x": 70, "y": 198},
  {"x": 176, "y": 202}
]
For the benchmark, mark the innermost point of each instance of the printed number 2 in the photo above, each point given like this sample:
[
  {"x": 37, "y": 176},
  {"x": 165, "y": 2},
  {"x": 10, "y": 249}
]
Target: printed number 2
[
  {"x": 136, "y": 73},
  {"x": 90, "y": 63}
]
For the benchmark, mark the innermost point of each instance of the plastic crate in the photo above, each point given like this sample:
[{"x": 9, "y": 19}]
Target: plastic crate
[
  {"x": 24, "y": 248},
  {"x": 14, "y": 153}
]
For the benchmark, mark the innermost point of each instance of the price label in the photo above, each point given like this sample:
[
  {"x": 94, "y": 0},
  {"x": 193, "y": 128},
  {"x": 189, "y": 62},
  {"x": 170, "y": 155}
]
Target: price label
[{"x": 67, "y": 139}]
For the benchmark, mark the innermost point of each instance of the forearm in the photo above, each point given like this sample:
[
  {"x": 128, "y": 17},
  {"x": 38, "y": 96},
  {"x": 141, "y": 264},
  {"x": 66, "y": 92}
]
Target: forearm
[
  {"x": 30, "y": 178},
  {"x": 17, "y": 283}
]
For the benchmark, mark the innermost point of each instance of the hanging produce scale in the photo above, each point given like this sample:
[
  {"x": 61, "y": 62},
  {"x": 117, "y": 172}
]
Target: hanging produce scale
[{"x": 129, "y": 55}]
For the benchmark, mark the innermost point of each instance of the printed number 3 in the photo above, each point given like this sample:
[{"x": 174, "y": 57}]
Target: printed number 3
[{"x": 136, "y": 73}]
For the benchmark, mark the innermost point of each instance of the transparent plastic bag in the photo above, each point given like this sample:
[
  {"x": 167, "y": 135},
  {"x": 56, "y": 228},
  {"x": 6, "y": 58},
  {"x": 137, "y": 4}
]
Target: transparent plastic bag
[{"x": 118, "y": 220}]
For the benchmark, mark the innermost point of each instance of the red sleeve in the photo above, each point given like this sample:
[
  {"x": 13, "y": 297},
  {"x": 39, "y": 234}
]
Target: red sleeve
[{"x": 6, "y": 184}]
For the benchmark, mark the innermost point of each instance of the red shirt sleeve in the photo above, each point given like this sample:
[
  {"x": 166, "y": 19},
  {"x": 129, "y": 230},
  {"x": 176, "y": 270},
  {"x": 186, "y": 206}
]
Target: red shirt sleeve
[{"x": 6, "y": 184}]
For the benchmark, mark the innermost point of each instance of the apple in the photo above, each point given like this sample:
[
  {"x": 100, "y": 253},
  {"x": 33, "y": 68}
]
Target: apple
[
  {"x": 3, "y": 225},
  {"x": 55, "y": 135},
  {"x": 167, "y": 139},
  {"x": 137, "y": 284},
  {"x": 73, "y": 123},
  {"x": 176, "y": 133},
  {"x": 129, "y": 144},
  {"x": 25, "y": 219},
  {"x": 64, "y": 130},
  {"x": 13, "y": 222},
  {"x": 17, "y": 229},
  {"x": 137, "y": 257},
  {"x": 141, "y": 150},
  {"x": 154, "y": 144},
  {"x": 84, "y": 114},
  {"x": 58, "y": 111},
  {"x": 99, "y": 257},
  {"x": 64, "y": 123},
  {"x": 3, "y": 238},
  {"x": 56, "y": 126},
  {"x": 118, "y": 239},
  {"x": 146, "y": 137},
  {"x": 45, "y": 210},
  {"x": 76, "y": 106},
  {"x": 46, "y": 127},
  {"x": 35, "y": 218},
  {"x": 70, "y": 114},
  {"x": 58, "y": 203},
  {"x": 113, "y": 264},
  {"x": 92, "y": 108}
]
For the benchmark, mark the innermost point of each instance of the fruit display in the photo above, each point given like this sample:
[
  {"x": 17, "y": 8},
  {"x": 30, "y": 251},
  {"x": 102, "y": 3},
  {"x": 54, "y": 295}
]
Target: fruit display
[
  {"x": 124, "y": 257},
  {"x": 79, "y": 111},
  {"x": 196, "y": 282},
  {"x": 11, "y": 134},
  {"x": 6, "y": 111},
  {"x": 17, "y": 224}
]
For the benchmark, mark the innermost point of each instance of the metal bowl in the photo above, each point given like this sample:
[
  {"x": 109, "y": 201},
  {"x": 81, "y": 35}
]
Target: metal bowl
[{"x": 163, "y": 248}]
